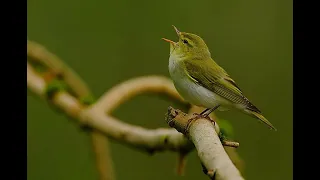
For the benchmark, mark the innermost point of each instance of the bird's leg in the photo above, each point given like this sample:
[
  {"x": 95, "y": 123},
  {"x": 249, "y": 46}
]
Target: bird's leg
[
  {"x": 203, "y": 114},
  {"x": 205, "y": 111}
]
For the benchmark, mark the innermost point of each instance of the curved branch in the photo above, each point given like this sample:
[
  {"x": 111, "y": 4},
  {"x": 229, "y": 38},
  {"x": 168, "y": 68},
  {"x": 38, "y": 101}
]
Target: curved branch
[
  {"x": 149, "y": 140},
  {"x": 55, "y": 64},
  {"x": 202, "y": 133},
  {"x": 56, "y": 67},
  {"x": 124, "y": 91},
  {"x": 96, "y": 117}
]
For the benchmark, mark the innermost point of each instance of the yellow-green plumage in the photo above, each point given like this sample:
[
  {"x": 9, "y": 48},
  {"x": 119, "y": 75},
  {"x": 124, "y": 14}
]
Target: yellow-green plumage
[{"x": 201, "y": 81}]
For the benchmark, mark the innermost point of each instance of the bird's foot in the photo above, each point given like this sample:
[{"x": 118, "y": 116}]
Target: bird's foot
[{"x": 197, "y": 116}]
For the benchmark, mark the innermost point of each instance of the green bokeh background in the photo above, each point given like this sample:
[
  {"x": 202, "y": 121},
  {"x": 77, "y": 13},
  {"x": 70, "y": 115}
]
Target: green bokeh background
[{"x": 108, "y": 42}]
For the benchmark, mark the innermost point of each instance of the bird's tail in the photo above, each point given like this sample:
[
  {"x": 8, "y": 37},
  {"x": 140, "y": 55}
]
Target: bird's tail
[{"x": 261, "y": 118}]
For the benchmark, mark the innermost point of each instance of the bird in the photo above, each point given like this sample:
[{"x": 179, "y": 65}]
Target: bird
[{"x": 202, "y": 82}]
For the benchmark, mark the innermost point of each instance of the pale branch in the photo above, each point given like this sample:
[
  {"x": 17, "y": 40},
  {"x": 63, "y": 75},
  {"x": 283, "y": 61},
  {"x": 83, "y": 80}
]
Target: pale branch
[
  {"x": 57, "y": 68},
  {"x": 150, "y": 140},
  {"x": 216, "y": 162},
  {"x": 231, "y": 149},
  {"x": 235, "y": 158},
  {"x": 130, "y": 88},
  {"x": 39, "y": 53}
]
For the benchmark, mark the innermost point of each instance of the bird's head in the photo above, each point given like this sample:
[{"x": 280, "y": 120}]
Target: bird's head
[{"x": 188, "y": 45}]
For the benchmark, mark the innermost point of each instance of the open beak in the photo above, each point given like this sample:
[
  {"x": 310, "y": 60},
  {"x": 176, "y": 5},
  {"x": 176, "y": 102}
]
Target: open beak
[
  {"x": 177, "y": 31},
  {"x": 170, "y": 41}
]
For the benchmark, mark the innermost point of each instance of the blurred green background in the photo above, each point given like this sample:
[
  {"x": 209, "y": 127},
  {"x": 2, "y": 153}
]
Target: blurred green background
[{"x": 107, "y": 42}]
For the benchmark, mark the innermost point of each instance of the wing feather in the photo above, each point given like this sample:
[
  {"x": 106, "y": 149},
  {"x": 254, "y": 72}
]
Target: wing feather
[{"x": 215, "y": 79}]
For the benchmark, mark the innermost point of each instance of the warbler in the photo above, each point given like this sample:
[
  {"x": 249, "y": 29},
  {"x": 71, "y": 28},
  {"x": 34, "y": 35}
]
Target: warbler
[{"x": 202, "y": 82}]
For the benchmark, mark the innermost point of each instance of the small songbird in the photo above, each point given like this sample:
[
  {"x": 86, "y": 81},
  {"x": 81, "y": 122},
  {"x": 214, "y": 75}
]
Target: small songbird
[{"x": 202, "y": 82}]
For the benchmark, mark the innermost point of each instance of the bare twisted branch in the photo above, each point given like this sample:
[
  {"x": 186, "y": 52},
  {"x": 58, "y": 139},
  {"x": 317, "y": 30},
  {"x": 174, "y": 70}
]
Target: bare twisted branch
[
  {"x": 56, "y": 67},
  {"x": 150, "y": 140},
  {"x": 97, "y": 116}
]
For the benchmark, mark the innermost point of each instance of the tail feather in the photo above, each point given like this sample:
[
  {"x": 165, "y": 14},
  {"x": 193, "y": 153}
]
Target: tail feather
[{"x": 261, "y": 118}]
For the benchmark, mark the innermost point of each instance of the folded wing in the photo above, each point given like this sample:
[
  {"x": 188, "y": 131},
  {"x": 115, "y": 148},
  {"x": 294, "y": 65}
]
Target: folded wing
[{"x": 215, "y": 79}]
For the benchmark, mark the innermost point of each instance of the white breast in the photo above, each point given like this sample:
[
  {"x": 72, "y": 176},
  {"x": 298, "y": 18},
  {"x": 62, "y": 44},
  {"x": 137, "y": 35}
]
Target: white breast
[{"x": 189, "y": 90}]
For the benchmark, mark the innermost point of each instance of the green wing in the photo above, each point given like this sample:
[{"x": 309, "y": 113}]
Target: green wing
[{"x": 216, "y": 79}]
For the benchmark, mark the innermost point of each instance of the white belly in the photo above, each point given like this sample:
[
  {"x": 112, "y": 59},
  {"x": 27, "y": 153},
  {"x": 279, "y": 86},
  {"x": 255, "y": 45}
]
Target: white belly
[{"x": 190, "y": 91}]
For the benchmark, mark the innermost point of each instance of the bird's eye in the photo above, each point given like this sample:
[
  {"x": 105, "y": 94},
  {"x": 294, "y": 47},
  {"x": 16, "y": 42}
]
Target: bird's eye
[{"x": 185, "y": 41}]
